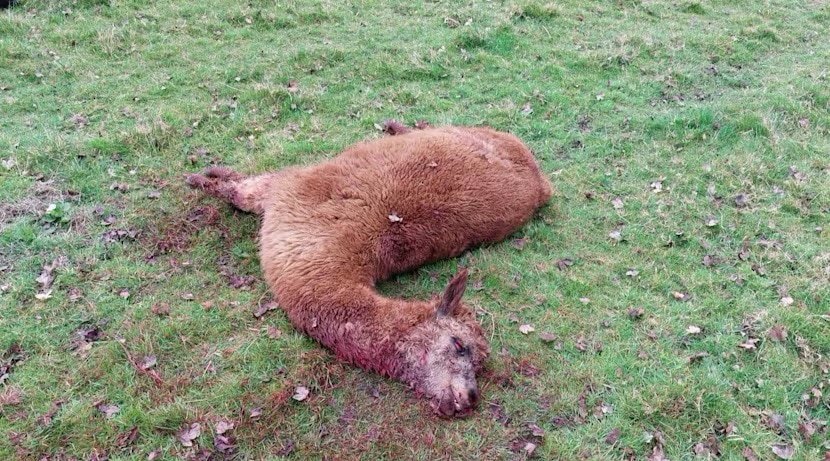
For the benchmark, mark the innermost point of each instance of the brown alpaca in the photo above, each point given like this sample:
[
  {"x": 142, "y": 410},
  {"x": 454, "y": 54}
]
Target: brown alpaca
[{"x": 330, "y": 231}]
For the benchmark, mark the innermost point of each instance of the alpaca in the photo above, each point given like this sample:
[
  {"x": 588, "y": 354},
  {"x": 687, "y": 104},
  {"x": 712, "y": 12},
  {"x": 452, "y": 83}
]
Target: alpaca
[{"x": 330, "y": 231}]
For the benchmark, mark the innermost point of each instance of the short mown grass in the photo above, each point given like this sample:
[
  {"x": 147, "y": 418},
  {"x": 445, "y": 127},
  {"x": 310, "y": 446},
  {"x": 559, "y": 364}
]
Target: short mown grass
[{"x": 689, "y": 143}]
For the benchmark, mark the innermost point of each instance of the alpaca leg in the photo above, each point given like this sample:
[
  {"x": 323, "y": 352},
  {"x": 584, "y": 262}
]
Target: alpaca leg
[{"x": 238, "y": 190}]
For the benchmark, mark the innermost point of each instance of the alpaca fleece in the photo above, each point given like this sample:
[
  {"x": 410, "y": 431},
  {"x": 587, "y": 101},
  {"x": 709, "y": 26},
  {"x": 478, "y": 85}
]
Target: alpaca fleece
[{"x": 331, "y": 231}]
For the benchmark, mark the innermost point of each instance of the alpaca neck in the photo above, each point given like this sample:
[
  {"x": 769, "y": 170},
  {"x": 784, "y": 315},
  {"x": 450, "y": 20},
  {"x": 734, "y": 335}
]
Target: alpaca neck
[{"x": 362, "y": 327}]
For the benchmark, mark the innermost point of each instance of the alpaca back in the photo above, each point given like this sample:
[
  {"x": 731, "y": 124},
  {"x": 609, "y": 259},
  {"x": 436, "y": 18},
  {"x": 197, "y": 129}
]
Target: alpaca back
[{"x": 395, "y": 203}]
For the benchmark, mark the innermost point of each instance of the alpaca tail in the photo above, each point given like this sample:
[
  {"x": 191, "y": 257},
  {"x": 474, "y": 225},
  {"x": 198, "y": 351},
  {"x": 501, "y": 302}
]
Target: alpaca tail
[{"x": 243, "y": 192}]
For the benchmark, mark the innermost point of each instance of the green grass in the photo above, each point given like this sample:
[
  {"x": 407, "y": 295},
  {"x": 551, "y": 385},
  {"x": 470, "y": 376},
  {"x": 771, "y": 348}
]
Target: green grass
[{"x": 713, "y": 98}]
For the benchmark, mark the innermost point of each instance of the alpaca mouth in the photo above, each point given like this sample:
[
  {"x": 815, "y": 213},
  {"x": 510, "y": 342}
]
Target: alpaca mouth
[{"x": 452, "y": 405}]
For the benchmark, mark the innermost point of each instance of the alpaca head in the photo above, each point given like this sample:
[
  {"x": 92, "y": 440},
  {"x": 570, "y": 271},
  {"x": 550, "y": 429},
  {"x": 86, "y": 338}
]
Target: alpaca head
[{"x": 444, "y": 352}]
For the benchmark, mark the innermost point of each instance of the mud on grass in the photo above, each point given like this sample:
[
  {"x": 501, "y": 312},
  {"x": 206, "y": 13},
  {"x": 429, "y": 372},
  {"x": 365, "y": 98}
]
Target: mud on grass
[{"x": 672, "y": 302}]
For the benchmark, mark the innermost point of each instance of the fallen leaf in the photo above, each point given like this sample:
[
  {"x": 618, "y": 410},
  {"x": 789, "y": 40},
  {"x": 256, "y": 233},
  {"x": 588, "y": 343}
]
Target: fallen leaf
[
  {"x": 161, "y": 309},
  {"x": 749, "y": 454},
  {"x": 711, "y": 221},
  {"x": 615, "y": 235},
  {"x": 787, "y": 301},
  {"x": 617, "y": 202},
  {"x": 265, "y": 307},
  {"x": 585, "y": 300},
  {"x": 580, "y": 344},
  {"x": 153, "y": 455},
  {"x": 293, "y": 86},
  {"x": 693, "y": 330},
  {"x": 225, "y": 444},
  {"x": 529, "y": 448},
  {"x": 43, "y": 295},
  {"x": 109, "y": 410},
  {"x": 189, "y": 433},
  {"x": 783, "y": 451},
  {"x": 10, "y": 395},
  {"x": 548, "y": 337},
  {"x": 527, "y": 109},
  {"x": 681, "y": 296},
  {"x": 657, "y": 186},
  {"x": 519, "y": 243},
  {"x": 710, "y": 260},
  {"x": 613, "y": 436},
  {"x": 564, "y": 263},
  {"x": 255, "y": 413},
  {"x": 149, "y": 361},
  {"x": 775, "y": 422},
  {"x": 224, "y": 426},
  {"x": 778, "y": 333},
  {"x": 273, "y": 332},
  {"x": 697, "y": 357},
  {"x": 807, "y": 429},
  {"x": 525, "y": 329},
  {"x": 153, "y": 194},
  {"x": 300, "y": 393},
  {"x": 127, "y": 438},
  {"x": 536, "y": 430},
  {"x": 741, "y": 200},
  {"x": 749, "y": 344},
  {"x": 636, "y": 313}
]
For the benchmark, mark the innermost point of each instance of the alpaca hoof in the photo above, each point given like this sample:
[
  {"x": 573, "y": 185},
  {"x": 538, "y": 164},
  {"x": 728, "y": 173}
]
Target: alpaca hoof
[
  {"x": 223, "y": 173},
  {"x": 196, "y": 181},
  {"x": 394, "y": 127}
]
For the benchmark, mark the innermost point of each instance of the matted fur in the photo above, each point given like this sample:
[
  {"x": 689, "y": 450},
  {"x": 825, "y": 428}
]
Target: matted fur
[{"x": 332, "y": 230}]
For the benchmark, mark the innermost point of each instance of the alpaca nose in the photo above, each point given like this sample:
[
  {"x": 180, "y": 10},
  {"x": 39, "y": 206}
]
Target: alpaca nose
[{"x": 472, "y": 396}]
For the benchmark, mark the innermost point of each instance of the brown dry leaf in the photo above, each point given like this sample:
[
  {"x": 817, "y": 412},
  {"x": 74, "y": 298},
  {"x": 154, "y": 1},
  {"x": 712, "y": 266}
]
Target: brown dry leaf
[
  {"x": 10, "y": 395},
  {"x": 741, "y": 200},
  {"x": 681, "y": 296},
  {"x": 526, "y": 329},
  {"x": 153, "y": 455},
  {"x": 225, "y": 445},
  {"x": 149, "y": 361},
  {"x": 273, "y": 332},
  {"x": 109, "y": 410},
  {"x": 536, "y": 430},
  {"x": 293, "y": 86},
  {"x": 697, "y": 357},
  {"x": 783, "y": 450},
  {"x": 778, "y": 333},
  {"x": 548, "y": 337},
  {"x": 617, "y": 202},
  {"x": 710, "y": 260},
  {"x": 519, "y": 243},
  {"x": 615, "y": 235},
  {"x": 581, "y": 344},
  {"x": 749, "y": 454},
  {"x": 224, "y": 426},
  {"x": 189, "y": 433},
  {"x": 787, "y": 301},
  {"x": 636, "y": 313},
  {"x": 613, "y": 436},
  {"x": 564, "y": 263},
  {"x": 265, "y": 307},
  {"x": 807, "y": 429},
  {"x": 161, "y": 309},
  {"x": 693, "y": 330},
  {"x": 127, "y": 438},
  {"x": 255, "y": 413},
  {"x": 774, "y": 421},
  {"x": 750, "y": 344},
  {"x": 300, "y": 393}
]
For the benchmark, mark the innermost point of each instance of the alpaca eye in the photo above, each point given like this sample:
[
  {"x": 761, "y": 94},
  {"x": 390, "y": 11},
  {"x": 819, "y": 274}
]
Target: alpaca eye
[{"x": 459, "y": 347}]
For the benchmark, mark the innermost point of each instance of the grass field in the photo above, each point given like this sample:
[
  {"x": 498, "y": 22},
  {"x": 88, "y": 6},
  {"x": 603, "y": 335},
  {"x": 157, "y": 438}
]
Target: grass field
[{"x": 678, "y": 284}]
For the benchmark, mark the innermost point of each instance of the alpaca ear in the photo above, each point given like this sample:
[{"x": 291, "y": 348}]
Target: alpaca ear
[{"x": 452, "y": 295}]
